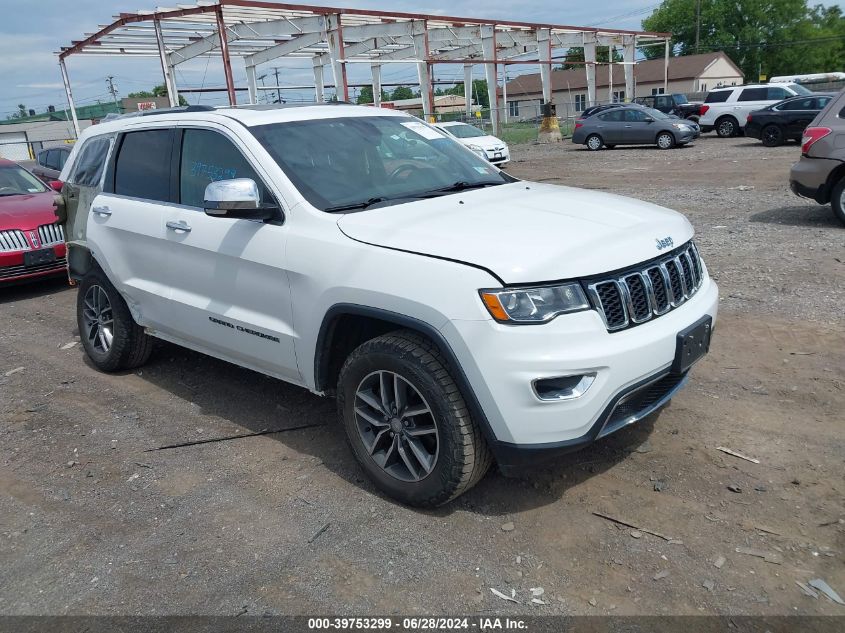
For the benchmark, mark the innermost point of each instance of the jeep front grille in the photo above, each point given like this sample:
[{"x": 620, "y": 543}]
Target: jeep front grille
[
  {"x": 13, "y": 240},
  {"x": 51, "y": 234},
  {"x": 648, "y": 290}
]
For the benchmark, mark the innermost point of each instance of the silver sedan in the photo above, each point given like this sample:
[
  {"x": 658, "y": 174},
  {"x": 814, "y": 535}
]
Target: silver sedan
[{"x": 634, "y": 125}]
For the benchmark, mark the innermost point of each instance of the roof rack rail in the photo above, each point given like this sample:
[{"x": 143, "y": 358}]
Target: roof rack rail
[{"x": 180, "y": 109}]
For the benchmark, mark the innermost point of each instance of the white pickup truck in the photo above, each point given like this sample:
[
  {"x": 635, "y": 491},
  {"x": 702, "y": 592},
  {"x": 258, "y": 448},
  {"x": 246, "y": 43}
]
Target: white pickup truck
[{"x": 459, "y": 315}]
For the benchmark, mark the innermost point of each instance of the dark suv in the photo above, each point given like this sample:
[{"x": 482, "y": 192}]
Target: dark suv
[
  {"x": 676, "y": 104},
  {"x": 49, "y": 162},
  {"x": 820, "y": 172}
]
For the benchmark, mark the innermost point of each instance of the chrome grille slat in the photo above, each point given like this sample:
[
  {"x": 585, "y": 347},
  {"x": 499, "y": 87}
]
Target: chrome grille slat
[
  {"x": 51, "y": 234},
  {"x": 648, "y": 291},
  {"x": 13, "y": 240}
]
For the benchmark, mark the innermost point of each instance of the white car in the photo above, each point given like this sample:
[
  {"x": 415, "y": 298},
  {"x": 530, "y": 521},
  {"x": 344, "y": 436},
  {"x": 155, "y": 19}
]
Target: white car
[
  {"x": 726, "y": 109},
  {"x": 494, "y": 149},
  {"x": 457, "y": 314}
]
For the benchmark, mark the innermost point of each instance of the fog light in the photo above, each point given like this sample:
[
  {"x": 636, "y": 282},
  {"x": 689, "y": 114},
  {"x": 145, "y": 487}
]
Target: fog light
[{"x": 563, "y": 387}]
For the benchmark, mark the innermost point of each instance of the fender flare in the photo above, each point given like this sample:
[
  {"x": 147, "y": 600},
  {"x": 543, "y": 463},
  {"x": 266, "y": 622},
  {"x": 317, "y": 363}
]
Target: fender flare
[{"x": 321, "y": 358}]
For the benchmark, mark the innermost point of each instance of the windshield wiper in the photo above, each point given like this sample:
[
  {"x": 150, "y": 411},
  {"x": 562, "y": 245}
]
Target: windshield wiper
[
  {"x": 462, "y": 185},
  {"x": 364, "y": 204}
]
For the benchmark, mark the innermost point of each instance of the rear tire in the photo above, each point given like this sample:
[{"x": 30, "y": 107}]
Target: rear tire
[
  {"x": 594, "y": 142},
  {"x": 837, "y": 200},
  {"x": 772, "y": 135},
  {"x": 109, "y": 334},
  {"x": 665, "y": 140},
  {"x": 726, "y": 127},
  {"x": 425, "y": 458}
]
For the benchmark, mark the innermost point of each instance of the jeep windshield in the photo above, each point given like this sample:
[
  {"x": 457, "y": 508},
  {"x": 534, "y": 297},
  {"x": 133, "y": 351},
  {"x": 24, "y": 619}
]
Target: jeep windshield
[{"x": 355, "y": 163}]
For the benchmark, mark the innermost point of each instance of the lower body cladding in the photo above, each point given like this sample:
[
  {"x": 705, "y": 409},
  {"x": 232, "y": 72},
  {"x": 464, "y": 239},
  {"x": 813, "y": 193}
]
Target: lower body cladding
[{"x": 617, "y": 378}]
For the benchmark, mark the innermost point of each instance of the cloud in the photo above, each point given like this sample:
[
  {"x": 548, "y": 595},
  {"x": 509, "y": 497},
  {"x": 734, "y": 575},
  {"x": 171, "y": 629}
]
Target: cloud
[{"x": 47, "y": 86}]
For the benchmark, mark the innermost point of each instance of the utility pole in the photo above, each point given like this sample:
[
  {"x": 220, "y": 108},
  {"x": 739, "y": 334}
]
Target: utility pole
[
  {"x": 278, "y": 88},
  {"x": 697, "y": 24},
  {"x": 113, "y": 91}
]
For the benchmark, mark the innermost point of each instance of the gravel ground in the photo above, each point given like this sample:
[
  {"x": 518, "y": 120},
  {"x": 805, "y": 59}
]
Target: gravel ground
[{"x": 101, "y": 512}]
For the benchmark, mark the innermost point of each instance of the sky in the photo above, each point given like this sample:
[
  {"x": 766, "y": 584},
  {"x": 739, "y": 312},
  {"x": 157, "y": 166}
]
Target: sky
[{"x": 31, "y": 33}]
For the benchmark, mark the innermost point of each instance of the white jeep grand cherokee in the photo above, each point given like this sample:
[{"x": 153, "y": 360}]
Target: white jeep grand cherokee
[{"x": 459, "y": 315}]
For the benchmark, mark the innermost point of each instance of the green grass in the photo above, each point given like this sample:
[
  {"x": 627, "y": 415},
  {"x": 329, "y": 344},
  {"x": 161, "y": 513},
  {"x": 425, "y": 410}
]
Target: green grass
[{"x": 518, "y": 133}]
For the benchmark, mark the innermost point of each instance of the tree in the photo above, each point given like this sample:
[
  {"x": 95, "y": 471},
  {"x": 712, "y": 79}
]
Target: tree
[
  {"x": 366, "y": 95},
  {"x": 770, "y": 37},
  {"x": 20, "y": 113},
  {"x": 577, "y": 55},
  {"x": 402, "y": 92},
  {"x": 157, "y": 91}
]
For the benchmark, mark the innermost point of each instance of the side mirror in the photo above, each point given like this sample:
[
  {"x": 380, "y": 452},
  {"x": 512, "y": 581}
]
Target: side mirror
[
  {"x": 237, "y": 198},
  {"x": 56, "y": 185},
  {"x": 648, "y": 119}
]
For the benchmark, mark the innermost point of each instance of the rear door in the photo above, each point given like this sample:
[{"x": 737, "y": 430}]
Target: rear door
[
  {"x": 125, "y": 230},
  {"x": 748, "y": 100},
  {"x": 230, "y": 291},
  {"x": 610, "y": 126}
]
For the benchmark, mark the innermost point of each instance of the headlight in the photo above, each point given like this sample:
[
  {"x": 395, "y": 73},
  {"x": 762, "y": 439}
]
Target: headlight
[
  {"x": 478, "y": 150},
  {"x": 534, "y": 305},
  {"x": 682, "y": 127}
]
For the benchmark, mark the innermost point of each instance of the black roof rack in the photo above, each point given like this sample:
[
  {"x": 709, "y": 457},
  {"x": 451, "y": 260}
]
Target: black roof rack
[{"x": 180, "y": 109}]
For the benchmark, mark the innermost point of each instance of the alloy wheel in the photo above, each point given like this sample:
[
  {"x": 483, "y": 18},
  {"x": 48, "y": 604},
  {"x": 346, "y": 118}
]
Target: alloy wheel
[
  {"x": 396, "y": 426},
  {"x": 726, "y": 128},
  {"x": 664, "y": 141},
  {"x": 98, "y": 319}
]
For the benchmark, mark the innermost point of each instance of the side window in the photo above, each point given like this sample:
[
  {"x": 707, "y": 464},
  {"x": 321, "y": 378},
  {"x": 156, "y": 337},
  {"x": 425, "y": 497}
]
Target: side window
[
  {"x": 821, "y": 102},
  {"x": 777, "y": 93},
  {"x": 754, "y": 94},
  {"x": 63, "y": 154},
  {"x": 208, "y": 156},
  {"x": 634, "y": 116},
  {"x": 798, "y": 104},
  {"x": 142, "y": 169},
  {"x": 91, "y": 161},
  {"x": 719, "y": 96},
  {"x": 52, "y": 161},
  {"x": 613, "y": 115}
]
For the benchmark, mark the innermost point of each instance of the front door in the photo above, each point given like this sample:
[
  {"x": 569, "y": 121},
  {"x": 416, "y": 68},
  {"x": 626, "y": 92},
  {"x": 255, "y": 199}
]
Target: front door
[
  {"x": 229, "y": 285},
  {"x": 637, "y": 129}
]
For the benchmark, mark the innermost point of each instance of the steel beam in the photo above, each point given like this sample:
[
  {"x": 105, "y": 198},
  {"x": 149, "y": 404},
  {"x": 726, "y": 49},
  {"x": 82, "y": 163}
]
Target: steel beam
[
  {"x": 421, "y": 52},
  {"x": 544, "y": 53},
  {"x": 166, "y": 69},
  {"x": 224, "y": 53},
  {"x": 252, "y": 86},
  {"x": 285, "y": 48},
  {"x": 318, "y": 81},
  {"x": 468, "y": 88},
  {"x": 376, "y": 70},
  {"x": 334, "y": 36},
  {"x": 629, "y": 52},
  {"x": 71, "y": 106},
  {"x": 589, "y": 45},
  {"x": 666, "y": 67},
  {"x": 488, "y": 45}
]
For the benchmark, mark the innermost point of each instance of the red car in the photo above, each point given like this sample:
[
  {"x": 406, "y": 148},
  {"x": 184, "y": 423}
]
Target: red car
[{"x": 32, "y": 244}]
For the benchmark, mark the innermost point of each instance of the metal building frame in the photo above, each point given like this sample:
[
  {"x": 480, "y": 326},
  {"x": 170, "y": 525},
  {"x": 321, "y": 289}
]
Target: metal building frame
[{"x": 261, "y": 31}]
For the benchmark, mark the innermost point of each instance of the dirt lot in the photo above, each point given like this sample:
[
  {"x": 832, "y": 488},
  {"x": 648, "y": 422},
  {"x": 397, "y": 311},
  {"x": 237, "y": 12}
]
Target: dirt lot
[{"x": 94, "y": 519}]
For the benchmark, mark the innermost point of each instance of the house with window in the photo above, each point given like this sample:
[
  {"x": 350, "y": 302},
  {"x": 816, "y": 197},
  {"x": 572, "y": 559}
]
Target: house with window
[{"x": 687, "y": 74}]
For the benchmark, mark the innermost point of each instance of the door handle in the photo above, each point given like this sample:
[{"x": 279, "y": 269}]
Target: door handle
[
  {"x": 102, "y": 211},
  {"x": 179, "y": 225}
]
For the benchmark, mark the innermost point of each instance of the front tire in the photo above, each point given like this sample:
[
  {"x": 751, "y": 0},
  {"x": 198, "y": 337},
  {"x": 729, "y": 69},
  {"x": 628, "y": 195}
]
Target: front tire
[
  {"x": 594, "y": 142},
  {"x": 407, "y": 422},
  {"x": 665, "y": 140},
  {"x": 772, "y": 135},
  {"x": 727, "y": 127},
  {"x": 109, "y": 334}
]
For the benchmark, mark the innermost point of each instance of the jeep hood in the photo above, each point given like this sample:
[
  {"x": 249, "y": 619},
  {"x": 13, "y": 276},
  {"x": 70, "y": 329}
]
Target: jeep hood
[{"x": 525, "y": 232}]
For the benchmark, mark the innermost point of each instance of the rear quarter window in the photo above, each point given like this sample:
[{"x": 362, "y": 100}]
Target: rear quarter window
[
  {"x": 91, "y": 162},
  {"x": 754, "y": 94},
  {"x": 717, "y": 97}
]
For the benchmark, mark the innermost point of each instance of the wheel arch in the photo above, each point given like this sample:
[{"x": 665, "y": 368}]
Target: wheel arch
[{"x": 345, "y": 326}]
